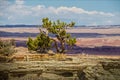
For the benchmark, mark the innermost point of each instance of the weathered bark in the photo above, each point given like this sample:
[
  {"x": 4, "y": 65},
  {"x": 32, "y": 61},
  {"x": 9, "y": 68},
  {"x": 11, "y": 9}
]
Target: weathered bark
[
  {"x": 56, "y": 45},
  {"x": 62, "y": 47}
]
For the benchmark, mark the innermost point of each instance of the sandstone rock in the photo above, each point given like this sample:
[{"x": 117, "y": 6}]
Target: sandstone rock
[
  {"x": 82, "y": 68},
  {"x": 104, "y": 71}
]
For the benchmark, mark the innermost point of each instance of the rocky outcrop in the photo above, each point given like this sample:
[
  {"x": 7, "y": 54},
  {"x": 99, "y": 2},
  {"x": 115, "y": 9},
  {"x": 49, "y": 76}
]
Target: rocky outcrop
[
  {"x": 78, "y": 69},
  {"x": 105, "y": 70}
]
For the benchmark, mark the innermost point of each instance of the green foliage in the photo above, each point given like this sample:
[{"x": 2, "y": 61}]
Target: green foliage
[
  {"x": 41, "y": 43},
  {"x": 31, "y": 44},
  {"x": 58, "y": 28},
  {"x": 7, "y": 47},
  {"x": 71, "y": 41}
]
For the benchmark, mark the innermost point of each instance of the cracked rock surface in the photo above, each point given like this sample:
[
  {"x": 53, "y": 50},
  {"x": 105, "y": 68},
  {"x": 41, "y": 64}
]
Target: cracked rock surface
[{"x": 80, "y": 68}]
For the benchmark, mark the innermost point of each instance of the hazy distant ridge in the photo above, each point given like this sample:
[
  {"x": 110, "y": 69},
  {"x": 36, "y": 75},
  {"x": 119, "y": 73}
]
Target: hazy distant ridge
[{"x": 84, "y": 26}]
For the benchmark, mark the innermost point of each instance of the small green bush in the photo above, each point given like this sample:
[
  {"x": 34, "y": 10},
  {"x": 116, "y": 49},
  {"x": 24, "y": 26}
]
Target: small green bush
[
  {"x": 7, "y": 47},
  {"x": 41, "y": 43}
]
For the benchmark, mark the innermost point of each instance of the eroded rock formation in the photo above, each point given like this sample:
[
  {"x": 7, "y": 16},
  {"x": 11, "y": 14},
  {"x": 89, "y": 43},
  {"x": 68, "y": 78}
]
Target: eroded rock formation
[{"x": 82, "y": 68}]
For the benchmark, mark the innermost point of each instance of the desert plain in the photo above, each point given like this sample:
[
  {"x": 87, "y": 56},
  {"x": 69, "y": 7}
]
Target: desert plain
[{"x": 99, "y": 38}]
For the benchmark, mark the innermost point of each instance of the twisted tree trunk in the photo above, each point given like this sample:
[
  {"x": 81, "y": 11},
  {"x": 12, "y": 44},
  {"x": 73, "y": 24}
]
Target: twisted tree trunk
[{"x": 56, "y": 45}]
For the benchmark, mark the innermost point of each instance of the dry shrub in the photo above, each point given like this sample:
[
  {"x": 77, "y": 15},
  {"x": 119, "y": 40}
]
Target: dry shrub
[
  {"x": 53, "y": 57},
  {"x": 40, "y": 57},
  {"x": 6, "y": 49},
  {"x": 44, "y": 57},
  {"x": 59, "y": 56}
]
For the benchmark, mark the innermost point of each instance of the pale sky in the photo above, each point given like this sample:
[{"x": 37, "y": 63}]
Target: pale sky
[{"x": 83, "y": 12}]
